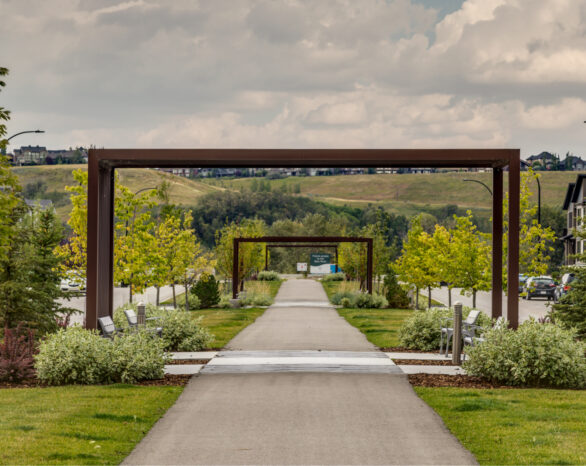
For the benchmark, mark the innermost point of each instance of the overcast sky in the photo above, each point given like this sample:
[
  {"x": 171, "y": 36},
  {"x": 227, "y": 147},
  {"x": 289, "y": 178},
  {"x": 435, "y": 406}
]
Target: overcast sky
[{"x": 347, "y": 73}]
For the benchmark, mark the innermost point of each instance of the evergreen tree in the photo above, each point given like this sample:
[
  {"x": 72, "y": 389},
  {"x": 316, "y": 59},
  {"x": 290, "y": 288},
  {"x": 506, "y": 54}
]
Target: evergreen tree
[{"x": 571, "y": 310}]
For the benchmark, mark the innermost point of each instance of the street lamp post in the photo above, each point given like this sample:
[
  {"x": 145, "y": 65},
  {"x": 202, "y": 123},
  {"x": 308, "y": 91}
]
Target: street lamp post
[
  {"x": 18, "y": 134},
  {"x": 483, "y": 184}
]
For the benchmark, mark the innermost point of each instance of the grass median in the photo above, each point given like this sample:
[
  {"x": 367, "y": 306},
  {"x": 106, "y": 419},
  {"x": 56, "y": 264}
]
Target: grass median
[
  {"x": 514, "y": 426},
  {"x": 78, "y": 424}
]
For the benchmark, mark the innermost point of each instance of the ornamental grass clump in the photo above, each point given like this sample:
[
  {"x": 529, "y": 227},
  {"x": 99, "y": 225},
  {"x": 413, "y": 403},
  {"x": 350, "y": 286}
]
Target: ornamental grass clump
[
  {"x": 268, "y": 276},
  {"x": 334, "y": 277},
  {"x": 535, "y": 354}
]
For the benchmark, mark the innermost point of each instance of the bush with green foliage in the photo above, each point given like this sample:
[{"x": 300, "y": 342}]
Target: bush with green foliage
[
  {"x": 257, "y": 299},
  {"x": 225, "y": 302},
  {"x": 535, "y": 354},
  {"x": 334, "y": 277},
  {"x": 349, "y": 299},
  {"x": 181, "y": 331},
  {"x": 345, "y": 303},
  {"x": 79, "y": 356},
  {"x": 193, "y": 301},
  {"x": 268, "y": 276},
  {"x": 337, "y": 297},
  {"x": 207, "y": 290},
  {"x": 17, "y": 354},
  {"x": 395, "y": 294},
  {"x": 422, "y": 329},
  {"x": 570, "y": 312}
]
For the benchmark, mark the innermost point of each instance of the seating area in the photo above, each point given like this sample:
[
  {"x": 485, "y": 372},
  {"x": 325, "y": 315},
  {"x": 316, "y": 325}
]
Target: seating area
[
  {"x": 447, "y": 329},
  {"x": 109, "y": 329}
]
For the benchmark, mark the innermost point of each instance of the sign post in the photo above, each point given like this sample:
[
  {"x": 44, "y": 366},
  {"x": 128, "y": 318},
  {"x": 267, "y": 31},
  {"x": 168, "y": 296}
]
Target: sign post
[{"x": 320, "y": 262}]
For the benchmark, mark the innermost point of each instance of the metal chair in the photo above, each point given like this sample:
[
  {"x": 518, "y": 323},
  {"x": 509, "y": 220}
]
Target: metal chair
[
  {"x": 132, "y": 319},
  {"x": 449, "y": 331},
  {"x": 107, "y": 327},
  {"x": 470, "y": 338}
]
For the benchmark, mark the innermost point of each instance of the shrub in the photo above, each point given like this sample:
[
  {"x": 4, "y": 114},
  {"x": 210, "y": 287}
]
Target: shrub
[
  {"x": 422, "y": 330},
  {"x": 345, "y": 302},
  {"x": 570, "y": 312},
  {"x": 207, "y": 290},
  {"x": 181, "y": 332},
  {"x": 137, "y": 356},
  {"x": 257, "y": 299},
  {"x": 379, "y": 301},
  {"x": 224, "y": 302},
  {"x": 535, "y": 354},
  {"x": 268, "y": 276},
  {"x": 74, "y": 356},
  {"x": 193, "y": 301},
  {"x": 79, "y": 356},
  {"x": 337, "y": 297},
  {"x": 395, "y": 294},
  {"x": 334, "y": 277},
  {"x": 17, "y": 354}
]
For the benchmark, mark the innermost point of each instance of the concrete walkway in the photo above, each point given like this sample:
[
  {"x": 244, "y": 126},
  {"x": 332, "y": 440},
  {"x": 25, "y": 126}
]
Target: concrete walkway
[{"x": 309, "y": 417}]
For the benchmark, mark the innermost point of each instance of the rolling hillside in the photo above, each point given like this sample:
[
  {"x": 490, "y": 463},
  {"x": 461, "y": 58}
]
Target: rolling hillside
[
  {"x": 404, "y": 194},
  {"x": 182, "y": 191}
]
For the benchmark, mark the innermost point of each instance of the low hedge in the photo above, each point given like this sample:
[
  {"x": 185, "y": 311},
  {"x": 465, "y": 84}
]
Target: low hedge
[{"x": 78, "y": 356}]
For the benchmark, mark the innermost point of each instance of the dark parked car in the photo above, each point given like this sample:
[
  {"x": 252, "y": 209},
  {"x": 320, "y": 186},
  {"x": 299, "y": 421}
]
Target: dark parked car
[
  {"x": 522, "y": 280},
  {"x": 544, "y": 287},
  {"x": 563, "y": 288}
]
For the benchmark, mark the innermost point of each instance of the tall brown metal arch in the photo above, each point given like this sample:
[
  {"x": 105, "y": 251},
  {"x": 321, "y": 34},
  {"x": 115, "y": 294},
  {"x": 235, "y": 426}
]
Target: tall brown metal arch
[
  {"x": 103, "y": 163},
  {"x": 300, "y": 239}
]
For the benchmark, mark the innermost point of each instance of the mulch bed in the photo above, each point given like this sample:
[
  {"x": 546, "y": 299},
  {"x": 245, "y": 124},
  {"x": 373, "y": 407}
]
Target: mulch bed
[
  {"x": 401, "y": 349},
  {"x": 169, "y": 379},
  {"x": 459, "y": 381},
  {"x": 188, "y": 361},
  {"x": 424, "y": 362}
]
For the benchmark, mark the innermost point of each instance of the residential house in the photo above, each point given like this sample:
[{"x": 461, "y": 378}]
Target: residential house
[
  {"x": 30, "y": 155},
  {"x": 573, "y": 163},
  {"x": 575, "y": 205},
  {"x": 543, "y": 161}
]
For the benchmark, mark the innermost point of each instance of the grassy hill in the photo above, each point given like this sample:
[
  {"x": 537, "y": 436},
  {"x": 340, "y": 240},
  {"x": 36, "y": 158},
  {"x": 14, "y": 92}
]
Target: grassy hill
[
  {"x": 404, "y": 194},
  {"x": 182, "y": 191}
]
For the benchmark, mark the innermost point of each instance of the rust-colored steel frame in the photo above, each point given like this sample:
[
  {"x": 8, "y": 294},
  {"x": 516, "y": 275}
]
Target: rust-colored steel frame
[
  {"x": 269, "y": 246},
  {"x": 301, "y": 239},
  {"x": 103, "y": 163}
]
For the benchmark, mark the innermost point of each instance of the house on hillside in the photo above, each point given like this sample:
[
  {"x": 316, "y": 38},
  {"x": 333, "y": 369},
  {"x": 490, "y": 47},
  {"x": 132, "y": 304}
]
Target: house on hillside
[
  {"x": 30, "y": 155},
  {"x": 573, "y": 163},
  {"x": 574, "y": 204},
  {"x": 543, "y": 161}
]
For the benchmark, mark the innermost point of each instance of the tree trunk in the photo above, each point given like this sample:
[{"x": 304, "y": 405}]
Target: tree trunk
[
  {"x": 186, "y": 297},
  {"x": 158, "y": 294},
  {"x": 449, "y": 297},
  {"x": 429, "y": 297},
  {"x": 416, "y": 298},
  {"x": 130, "y": 293},
  {"x": 174, "y": 297},
  {"x": 473, "y": 299}
]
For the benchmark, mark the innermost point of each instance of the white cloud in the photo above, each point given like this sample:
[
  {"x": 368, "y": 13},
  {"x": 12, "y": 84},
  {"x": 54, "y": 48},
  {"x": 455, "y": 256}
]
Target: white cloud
[{"x": 297, "y": 73}]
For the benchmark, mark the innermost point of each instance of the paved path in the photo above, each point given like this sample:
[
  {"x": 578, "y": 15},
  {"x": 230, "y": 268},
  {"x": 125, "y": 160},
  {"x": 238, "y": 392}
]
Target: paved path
[{"x": 291, "y": 417}]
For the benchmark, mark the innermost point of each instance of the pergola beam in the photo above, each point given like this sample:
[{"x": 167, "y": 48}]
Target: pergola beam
[{"x": 103, "y": 163}]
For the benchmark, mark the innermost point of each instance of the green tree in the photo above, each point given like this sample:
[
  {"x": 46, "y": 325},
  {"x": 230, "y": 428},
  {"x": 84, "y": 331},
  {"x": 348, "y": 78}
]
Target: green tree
[
  {"x": 415, "y": 265},
  {"x": 471, "y": 258},
  {"x": 29, "y": 273},
  {"x": 251, "y": 255},
  {"x": 571, "y": 310}
]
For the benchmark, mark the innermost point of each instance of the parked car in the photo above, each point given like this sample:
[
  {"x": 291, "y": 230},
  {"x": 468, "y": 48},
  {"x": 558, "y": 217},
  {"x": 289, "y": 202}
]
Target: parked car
[
  {"x": 522, "y": 280},
  {"x": 564, "y": 286},
  {"x": 543, "y": 287},
  {"x": 64, "y": 285}
]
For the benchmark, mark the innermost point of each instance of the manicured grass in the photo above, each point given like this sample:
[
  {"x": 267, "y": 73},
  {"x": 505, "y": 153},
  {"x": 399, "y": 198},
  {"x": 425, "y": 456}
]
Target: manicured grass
[
  {"x": 529, "y": 426},
  {"x": 224, "y": 324},
  {"x": 380, "y": 326},
  {"x": 78, "y": 424}
]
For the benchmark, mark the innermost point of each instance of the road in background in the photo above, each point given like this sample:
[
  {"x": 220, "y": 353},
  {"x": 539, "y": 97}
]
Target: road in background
[
  {"x": 536, "y": 307},
  {"x": 121, "y": 297}
]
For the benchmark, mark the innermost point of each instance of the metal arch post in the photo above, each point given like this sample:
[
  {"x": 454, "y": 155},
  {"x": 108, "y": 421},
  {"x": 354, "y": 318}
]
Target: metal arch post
[
  {"x": 235, "y": 267},
  {"x": 513, "y": 259},
  {"x": 369, "y": 261},
  {"x": 497, "y": 243}
]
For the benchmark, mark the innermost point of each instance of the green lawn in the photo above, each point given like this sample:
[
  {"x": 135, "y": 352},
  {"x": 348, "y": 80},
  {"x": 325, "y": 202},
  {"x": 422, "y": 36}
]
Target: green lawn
[
  {"x": 380, "y": 326},
  {"x": 226, "y": 323},
  {"x": 78, "y": 424},
  {"x": 524, "y": 426}
]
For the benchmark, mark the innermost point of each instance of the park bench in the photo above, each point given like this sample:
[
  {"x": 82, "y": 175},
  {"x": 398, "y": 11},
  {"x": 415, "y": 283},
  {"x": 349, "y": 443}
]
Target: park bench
[
  {"x": 470, "y": 338},
  {"x": 132, "y": 319},
  {"x": 109, "y": 330},
  {"x": 448, "y": 331}
]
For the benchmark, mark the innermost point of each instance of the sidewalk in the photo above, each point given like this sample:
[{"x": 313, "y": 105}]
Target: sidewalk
[{"x": 287, "y": 416}]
